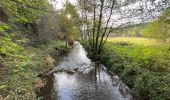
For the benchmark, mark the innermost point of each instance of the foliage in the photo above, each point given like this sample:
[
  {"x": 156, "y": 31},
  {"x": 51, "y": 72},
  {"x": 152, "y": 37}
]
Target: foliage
[
  {"x": 49, "y": 28},
  {"x": 14, "y": 63},
  {"x": 130, "y": 31},
  {"x": 21, "y": 67},
  {"x": 159, "y": 29},
  {"x": 23, "y": 10},
  {"x": 3, "y": 27},
  {"x": 69, "y": 19}
]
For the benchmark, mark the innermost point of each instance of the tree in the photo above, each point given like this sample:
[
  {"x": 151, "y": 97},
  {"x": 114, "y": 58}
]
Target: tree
[
  {"x": 97, "y": 22},
  {"x": 160, "y": 29},
  {"x": 49, "y": 27},
  {"x": 69, "y": 23}
]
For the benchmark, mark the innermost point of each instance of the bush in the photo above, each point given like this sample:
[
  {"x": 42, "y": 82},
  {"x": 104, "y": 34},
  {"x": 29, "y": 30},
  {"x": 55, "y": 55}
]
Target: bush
[{"x": 150, "y": 85}]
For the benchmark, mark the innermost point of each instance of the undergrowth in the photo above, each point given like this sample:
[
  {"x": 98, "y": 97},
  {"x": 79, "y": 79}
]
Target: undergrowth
[{"x": 20, "y": 67}]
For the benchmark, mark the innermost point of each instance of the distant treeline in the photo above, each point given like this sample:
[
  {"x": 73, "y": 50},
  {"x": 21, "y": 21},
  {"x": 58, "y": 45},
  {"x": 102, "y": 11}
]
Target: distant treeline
[
  {"x": 158, "y": 29},
  {"x": 130, "y": 31}
]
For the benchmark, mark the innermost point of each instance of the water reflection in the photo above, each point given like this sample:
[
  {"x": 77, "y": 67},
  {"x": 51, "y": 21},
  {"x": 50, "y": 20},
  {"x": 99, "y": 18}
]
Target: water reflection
[
  {"x": 87, "y": 81},
  {"x": 90, "y": 86}
]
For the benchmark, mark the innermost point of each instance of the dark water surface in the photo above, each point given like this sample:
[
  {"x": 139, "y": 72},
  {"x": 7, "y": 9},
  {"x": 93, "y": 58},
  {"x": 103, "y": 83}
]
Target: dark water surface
[{"x": 95, "y": 85}]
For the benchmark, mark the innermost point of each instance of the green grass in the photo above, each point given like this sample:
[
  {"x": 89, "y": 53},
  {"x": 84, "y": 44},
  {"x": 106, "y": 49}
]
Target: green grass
[
  {"x": 142, "y": 63},
  {"x": 137, "y": 41},
  {"x": 138, "y": 48}
]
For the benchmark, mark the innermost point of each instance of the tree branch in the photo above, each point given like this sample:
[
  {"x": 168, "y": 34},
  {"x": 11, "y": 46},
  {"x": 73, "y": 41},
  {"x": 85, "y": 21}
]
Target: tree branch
[
  {"x": 99, "y": 25},
  {"x": 107, "y": 24},
  {"x": 94, "y": 24}
]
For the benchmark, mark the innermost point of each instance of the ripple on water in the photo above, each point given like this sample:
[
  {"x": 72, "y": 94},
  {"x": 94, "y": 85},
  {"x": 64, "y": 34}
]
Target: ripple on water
[{"x": 95, "y": 85}]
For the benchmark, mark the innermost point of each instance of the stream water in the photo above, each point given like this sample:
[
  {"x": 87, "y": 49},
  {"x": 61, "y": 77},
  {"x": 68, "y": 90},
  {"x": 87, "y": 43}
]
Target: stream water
[{"x": 77, "y": 78}]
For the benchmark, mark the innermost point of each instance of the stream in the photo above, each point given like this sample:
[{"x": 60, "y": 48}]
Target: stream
[{"x": 78, "y": 78}]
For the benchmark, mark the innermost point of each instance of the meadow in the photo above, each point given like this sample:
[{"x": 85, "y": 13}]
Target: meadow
[{"x": 142, "y": 63}]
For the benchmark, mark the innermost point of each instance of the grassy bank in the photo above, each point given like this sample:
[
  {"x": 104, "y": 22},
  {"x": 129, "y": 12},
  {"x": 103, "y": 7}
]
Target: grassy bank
[
  {"x": 143, "y": 64},
  {"x": 20, "y": 68}
]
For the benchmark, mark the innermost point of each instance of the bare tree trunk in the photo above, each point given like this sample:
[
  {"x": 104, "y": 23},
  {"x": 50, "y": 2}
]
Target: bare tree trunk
[
  {"x": 88, "y": 32},
  {"x": 106, "y": 27},
  {"x": 97, "y": 35},
  {"x": 66, "y": 42},
  {"x": 99, "y": 25},
  {"x": 111, "y": 29},
  {"x": 94, "y": 24}
]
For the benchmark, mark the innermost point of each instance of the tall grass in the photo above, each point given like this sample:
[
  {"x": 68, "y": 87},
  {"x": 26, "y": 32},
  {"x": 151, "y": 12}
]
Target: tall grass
[{"x": 138, "y": 41}]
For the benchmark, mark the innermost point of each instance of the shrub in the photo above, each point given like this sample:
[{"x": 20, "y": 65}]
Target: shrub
[{"x": 148, "y": 86}]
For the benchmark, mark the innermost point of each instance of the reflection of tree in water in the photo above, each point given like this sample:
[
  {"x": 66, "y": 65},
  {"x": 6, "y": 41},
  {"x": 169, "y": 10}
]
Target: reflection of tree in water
[
  {"x": 94, "y": 87},
  {"x": 48, "y": 91}
]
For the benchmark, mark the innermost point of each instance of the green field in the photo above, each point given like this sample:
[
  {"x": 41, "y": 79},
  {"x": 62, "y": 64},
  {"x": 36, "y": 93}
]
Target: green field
[
  {"x": 137, "y": 41},
  {"x": 142, "y": 63}
]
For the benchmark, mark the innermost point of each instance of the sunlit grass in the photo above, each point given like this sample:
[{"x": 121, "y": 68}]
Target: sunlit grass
[
  {"x": 138, "y": 48},
  {"x": 137, "y": 41}
]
